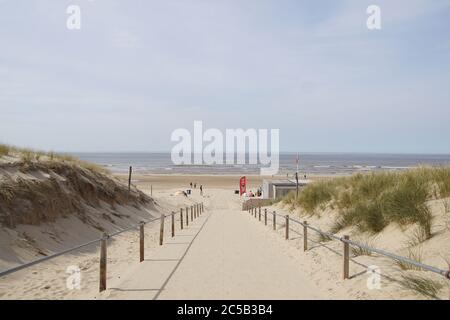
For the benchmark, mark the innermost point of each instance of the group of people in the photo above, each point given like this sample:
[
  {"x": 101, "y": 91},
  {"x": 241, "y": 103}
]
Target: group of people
[
  {"x": 194, "y": 185},
  {"x": 258, "y": 193}
]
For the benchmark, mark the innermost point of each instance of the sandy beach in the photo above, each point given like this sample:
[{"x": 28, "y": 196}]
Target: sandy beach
[{"x": 224, "y": 254}]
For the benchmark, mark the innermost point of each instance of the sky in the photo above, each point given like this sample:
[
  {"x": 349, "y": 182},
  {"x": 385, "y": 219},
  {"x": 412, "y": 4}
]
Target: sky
[{"x": 139, "y": 69}]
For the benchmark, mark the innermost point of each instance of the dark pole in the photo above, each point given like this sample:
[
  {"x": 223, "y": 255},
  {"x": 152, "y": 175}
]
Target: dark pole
[
  {"x": 129, "y": 178},
  {"x": 296, "y": 178}
]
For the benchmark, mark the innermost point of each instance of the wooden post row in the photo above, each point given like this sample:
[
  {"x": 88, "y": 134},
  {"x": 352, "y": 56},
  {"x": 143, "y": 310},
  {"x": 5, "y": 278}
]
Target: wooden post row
[{"x": 103, "y": 256}]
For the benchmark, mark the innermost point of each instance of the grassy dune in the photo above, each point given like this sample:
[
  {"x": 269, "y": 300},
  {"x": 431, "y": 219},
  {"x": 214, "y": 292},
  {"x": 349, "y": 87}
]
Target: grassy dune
[
  {"x": 38, "y": 187},
  {"x": 372, "y": 201},
  {"x": 28, "y": 156}
]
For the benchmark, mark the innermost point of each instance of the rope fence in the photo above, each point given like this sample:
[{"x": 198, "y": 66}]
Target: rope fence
[
  {"x": 345, "y": 241},
  {"x": 195, "y": 211}
]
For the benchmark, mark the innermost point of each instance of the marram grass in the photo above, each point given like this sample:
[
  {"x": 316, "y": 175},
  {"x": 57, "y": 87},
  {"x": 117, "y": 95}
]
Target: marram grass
[{"x": 372, "y": 201}]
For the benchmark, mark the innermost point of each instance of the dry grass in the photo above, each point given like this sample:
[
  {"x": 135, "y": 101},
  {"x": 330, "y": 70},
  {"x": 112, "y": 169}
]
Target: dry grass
[
  {"x": 4, "y": 150},
  {"x": 28, "y": 156},
  {"x": 422, "y": 285},
  {"x": 414, "y": 254},
  {"x": 417, "y": 237},
  {"x": 324, "y": 238},
  {"x": 358, "y": 251},
  {"x": 446, "y": 203}
]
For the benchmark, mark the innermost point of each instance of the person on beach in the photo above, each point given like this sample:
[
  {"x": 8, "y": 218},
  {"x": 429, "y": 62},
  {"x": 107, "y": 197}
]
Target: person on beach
[
  {"x": 191, "y": 185},
  {"x": 201, "y": 190},
  {"x": 195, "y": 185}
]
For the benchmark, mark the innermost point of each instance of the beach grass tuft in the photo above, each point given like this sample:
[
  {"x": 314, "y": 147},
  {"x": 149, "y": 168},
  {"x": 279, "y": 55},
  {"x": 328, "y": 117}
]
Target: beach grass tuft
[
  {"x": 414, "y": 254},
  {"x": 422, "y": 285},
  {"x": 358, "y": 251},
  {"x": 4, "y": 150}
]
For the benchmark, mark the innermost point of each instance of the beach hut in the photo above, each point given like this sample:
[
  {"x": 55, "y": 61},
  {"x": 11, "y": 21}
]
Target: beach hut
[{"x": 273, "y": 189}]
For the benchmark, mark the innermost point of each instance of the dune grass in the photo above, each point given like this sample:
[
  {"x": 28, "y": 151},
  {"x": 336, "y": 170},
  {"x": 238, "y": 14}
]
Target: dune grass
[
  {"x": 422, "y": 285},
  {"x": 4, "y": 150},
  {"x": 358, "y": 251},
  {"x": 414, "y": 254},
  {"x": 372, "y": 201},
  {"x": 29, "y": 156}
]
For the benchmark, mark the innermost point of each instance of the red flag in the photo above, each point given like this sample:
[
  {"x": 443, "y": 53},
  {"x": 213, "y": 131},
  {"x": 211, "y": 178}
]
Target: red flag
[{"x": 242, "y": 185}]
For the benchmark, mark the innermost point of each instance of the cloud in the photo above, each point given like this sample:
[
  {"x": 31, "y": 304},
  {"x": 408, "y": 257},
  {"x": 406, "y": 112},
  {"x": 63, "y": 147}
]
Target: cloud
[{"x": 311, "y": 69}]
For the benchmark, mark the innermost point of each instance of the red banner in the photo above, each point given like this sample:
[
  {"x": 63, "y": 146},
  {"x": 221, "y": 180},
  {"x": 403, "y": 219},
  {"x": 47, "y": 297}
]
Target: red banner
[{"x": 242, "y": 185}]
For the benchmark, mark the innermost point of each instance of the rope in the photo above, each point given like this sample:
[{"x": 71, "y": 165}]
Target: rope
[
  {"x": 29, "y": 264},
  {"x": 445, "y": 273}
]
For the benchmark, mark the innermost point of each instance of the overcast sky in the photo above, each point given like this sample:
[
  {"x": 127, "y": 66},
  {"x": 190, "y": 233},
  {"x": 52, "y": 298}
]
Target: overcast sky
[{"x": 139, "y": 69}]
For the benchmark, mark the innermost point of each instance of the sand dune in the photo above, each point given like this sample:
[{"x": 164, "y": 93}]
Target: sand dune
[{"x": 225, "y": 254}]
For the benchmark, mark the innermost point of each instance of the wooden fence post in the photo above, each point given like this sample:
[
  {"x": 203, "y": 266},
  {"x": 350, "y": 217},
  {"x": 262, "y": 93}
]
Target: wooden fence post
[
  {"x": 173, "y": 224},
  {"x": 161, "y": 230},
  {"x": 265, "y": 217},
  {"x": 141, "y": 241},
  {"x": 129, "y": 178},
  {"x": 203, "y": 207},
  {"x": 274, "y": 220},
  {"x": 259, "y": 213},
  {"x": 346, "y": 258},
  {"x": 192, "y": 213},
  {"x": 181, "y": 218},
  {"x": 287, "y": 227},
  {"x": 305, "y": 235},
  {"x": 103, "y": 259},
  {"x": 187, "y": 216}
]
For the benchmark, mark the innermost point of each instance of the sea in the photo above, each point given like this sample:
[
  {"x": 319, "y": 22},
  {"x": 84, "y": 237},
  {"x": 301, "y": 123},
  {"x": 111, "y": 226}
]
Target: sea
[{"x": 309, "y": 163}]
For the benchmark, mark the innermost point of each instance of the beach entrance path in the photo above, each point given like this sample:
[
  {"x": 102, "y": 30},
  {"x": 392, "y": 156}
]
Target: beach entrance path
[{"x": 222, "y": 255}]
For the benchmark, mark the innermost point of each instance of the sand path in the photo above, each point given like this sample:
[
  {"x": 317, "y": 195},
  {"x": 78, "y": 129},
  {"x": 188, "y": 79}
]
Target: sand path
[{"x": 222, "y": 255}]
